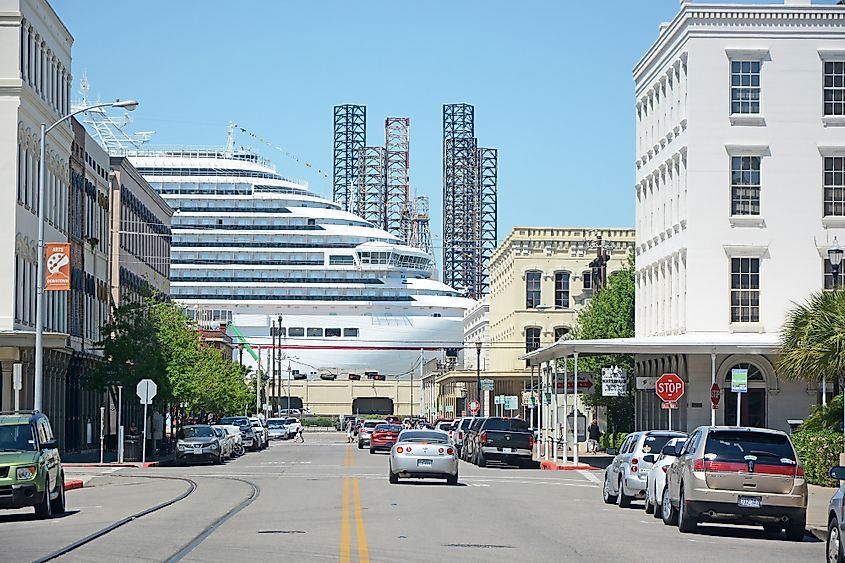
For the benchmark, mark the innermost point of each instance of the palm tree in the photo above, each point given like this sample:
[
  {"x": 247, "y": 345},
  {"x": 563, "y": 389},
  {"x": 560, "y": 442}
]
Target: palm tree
[{"x": 813, "y": 339}]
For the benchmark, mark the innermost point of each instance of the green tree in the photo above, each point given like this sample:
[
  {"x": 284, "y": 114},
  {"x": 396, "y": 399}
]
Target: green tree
[{"x": 610, "y": 314}]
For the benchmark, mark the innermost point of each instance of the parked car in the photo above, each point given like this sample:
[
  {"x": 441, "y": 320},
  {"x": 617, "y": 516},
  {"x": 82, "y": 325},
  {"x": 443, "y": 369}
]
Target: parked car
[
  {"x": 227, "y": 447},
  {"x": 445, "y": 426},
  {"x": 277, "y": 428},
  {"x": 30, "y": 464},
  {"x": 460, "y": 432},
  {"x": 423, "y": 454},
  {"x": 384, "y": 437},
  {"x": 656, "y": 478},
  {"x": 198, "y": 442},
  {"x": 248, "y": 438},
  {"x": 366, "y": 430},
  {"x": 237, "y": 438},
  {"x": 737, "y": 475},
  {"x": 507, "y": 440},
  {"x": 468, "y": 451},
  {"x": 625, "y": 477},
  {"x": 836, "y": 519},
  {"x": 260, "y": 432}
]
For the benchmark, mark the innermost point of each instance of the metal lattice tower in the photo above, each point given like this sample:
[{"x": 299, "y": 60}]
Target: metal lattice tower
[
  {"x": 397, "y": 144},
  {"x": 488, "y": 179},
  {"x": 470, "y": 178},
  {"x": 350, "y": 136},
  {"x": 420, "y": 236},
  {"x": 369, "y": 194}
]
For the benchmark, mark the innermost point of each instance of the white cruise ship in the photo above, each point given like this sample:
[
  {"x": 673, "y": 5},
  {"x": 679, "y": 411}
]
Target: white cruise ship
[{"x": 250, "y": 245}]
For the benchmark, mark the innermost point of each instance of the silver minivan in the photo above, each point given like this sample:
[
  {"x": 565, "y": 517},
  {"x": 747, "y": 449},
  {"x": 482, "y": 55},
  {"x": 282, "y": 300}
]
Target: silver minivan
[{"x": 625, "y": 478}]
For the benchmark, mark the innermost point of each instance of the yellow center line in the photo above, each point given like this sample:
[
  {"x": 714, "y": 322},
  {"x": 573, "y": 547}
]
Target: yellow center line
[
  {"x": 344, "y": 526},
  {"x": 363, "y": 551}
]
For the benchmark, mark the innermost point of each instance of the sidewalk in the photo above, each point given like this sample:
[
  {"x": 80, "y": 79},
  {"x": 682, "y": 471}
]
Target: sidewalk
[
  {"x": 91, "y": 458},
  {"x": 817, "y": 501}
]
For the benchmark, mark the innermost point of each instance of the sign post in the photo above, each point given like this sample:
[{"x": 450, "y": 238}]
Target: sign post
[
  {"x": 102, "y": 432},
  {"x": 715, "y": 396},
  {"x": 739, "y": 385},
  {"x": 17, "y": 384},
  {"x": 669, "y": 387},
  {"x": 474, "y": 407},
  {"x": 146, "y": 390}
]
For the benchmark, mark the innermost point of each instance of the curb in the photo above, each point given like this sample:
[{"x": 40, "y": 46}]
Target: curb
[
  {"x": 552, "y": 466},
  {"x": 136, "y": 465},
  {"x": 818, "y": 532},
  {"x": 73, "y": 484}
]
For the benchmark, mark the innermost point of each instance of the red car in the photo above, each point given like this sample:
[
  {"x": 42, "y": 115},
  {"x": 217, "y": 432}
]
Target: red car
[
  {"x": 384, "y": 437},
  {"x": 393, "y": 419}
]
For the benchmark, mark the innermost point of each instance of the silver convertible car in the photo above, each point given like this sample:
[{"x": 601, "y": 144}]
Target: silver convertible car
[{"x": 423, "y": 454}]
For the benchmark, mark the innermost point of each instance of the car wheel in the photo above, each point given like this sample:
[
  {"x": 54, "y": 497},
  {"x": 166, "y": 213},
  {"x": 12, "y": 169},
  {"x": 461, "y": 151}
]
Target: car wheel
[
  {"x": 686, "y": 522},
  {"x": 657, "y": 507},
  {"x": 482, "y": 461},
  {"x": 667, "y": 511},
  {"x": 452, "y": 479},
  {"x": 834, "y": 542},
  {"x": 649, "y": 508},
  {"x": 795, "y": 528},
  {"x": 392, "y": 477},
  {"x": 605, "y": 492},
  {"x": 44, "y": 509},
  {"x": 219, "y": 460},
  {"x": 623, "y": 500},
  {"x": 58, "y": 505},
  {"x": 360, "y": 445}
]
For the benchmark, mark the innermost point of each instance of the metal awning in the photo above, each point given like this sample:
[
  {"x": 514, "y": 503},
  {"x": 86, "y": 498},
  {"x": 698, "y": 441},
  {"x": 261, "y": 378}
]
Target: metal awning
[{"x": 690, "y": 343}]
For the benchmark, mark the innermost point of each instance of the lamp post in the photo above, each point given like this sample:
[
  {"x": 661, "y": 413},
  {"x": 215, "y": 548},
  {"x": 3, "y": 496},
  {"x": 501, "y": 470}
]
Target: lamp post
[
  {"x": 129, "y": 105},
  {"x": 834, "y": 254},
  {"x": 478, "y": 376}
]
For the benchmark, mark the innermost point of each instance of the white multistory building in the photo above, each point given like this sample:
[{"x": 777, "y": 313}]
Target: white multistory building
[{"x": 740, "y": 187}]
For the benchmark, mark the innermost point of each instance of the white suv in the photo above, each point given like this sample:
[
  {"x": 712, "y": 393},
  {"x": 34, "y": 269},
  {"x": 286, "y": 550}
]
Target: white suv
[{"x": 625, "y": 478}]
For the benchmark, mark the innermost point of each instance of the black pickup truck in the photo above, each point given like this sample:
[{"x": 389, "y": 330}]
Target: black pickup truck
[{"x": 508, "y": 440}]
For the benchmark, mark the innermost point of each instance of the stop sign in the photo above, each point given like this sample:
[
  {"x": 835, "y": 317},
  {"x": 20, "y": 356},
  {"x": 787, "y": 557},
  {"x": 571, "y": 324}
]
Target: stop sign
[
  {"x": 715, "y": 395},
  {"x": 669, "y": 387}
]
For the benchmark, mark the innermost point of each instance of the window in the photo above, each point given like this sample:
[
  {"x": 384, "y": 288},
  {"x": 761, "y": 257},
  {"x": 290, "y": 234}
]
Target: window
[
  {"x": 315, "y": 332},
  {"x": 745, "y": 86},
  {"x": 745, "y": 185},
  {"x": 532, "y": 289},
  {"x": 587, "y": 276},
  {"x": 296, "y": 331},
  {"x": 745, "y": 290},
  {"x": 828, "y": 275},
  {"x": 562, "y": 290},
  {"x": 834, "y": 186},
  {"x": 341, "y": 260},
  {"x": 532, "y": 338},
  {"x": 333, "y": 332},
  {"x": 560, "y": 332},
  {"x": 350, "y": 332},
  {"x": 834, "y": 88}
]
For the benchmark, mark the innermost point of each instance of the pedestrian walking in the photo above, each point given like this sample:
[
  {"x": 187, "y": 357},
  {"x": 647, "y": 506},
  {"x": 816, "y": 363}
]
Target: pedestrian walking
[
  {"x": 593, "y": 433},
  {"x": 349, "y": 428},
  {"x": 299, "y": 434}
]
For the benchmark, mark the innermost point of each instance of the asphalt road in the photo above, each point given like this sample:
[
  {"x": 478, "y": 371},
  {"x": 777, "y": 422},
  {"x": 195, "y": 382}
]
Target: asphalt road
[{"x": 327, "y": 501}]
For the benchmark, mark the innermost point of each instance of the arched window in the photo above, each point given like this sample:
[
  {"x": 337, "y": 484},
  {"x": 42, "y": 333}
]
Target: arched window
[
  {"x": 560, "y": 332},
  {"x": 532, "y": 338},
  {"x": 562, "y": 290},
  {"x": 532, "y": 289}
]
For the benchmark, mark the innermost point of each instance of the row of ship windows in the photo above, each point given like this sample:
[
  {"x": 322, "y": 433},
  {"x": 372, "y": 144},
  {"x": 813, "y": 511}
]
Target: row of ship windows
[
  {"x": 205, "y": 274},
  {"x": 228, "y": 172},
  {"x": 276, "y": 297},
  {"x": 271, "y": 279},
  {"x": 313, "y": 332}
]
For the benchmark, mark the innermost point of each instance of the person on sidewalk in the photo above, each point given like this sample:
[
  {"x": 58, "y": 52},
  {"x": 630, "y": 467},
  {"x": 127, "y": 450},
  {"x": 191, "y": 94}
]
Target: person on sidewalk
[
  {"x": 593, "y": 433},
  {"x": 299, "y": 435},
  {"x": 349, "y": 428}
]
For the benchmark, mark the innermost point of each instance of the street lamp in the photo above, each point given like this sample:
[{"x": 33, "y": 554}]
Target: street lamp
[
  {"x": 128, "y": 105},
  {"x": 478, "y": 376},
  {"x": 834, "y": 254}
]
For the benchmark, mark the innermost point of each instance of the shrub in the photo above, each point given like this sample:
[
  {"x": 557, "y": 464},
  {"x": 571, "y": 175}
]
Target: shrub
[
  {"x": 317, "y": 421},
  {"x": 618, "y": 438},
  {"x": 818, "y": 452}
]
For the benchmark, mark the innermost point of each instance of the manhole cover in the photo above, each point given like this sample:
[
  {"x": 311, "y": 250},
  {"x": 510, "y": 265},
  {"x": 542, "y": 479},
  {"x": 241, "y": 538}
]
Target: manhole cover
[
  {"x": 281, "y": 532},
  {"x": 480, "y": 545}
]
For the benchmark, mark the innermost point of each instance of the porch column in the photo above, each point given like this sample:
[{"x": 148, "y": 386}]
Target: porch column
[
  {"x": 555, "y": 430},
  {"x": 575, "y": 410},
  {"x": 712, "y": 381},
  {"x": 565, "y": 409}
]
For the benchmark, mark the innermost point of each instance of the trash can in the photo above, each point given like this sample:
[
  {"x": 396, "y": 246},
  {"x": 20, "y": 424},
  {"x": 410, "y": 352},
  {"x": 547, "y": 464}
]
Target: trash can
[{"x": 132, "y": 448}]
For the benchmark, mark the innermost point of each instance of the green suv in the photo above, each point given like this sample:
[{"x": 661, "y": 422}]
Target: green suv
[{"x": 31, "y": 471}]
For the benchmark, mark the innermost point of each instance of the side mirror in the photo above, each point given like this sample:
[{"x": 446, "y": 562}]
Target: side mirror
[
  {"x": 612, "y": 451},
  {"x": 837, "y": 473},
  {"x": 649, "y": 458},
  {"x": 50, "y": 445}
]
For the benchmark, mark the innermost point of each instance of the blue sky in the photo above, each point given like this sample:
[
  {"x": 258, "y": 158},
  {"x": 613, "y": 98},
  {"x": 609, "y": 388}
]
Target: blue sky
[{"x": 550, "y": 82}]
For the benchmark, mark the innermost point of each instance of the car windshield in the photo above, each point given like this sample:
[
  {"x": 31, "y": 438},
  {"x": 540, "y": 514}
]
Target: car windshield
[
  {"x": 234, "y": 420},
  {"x": 423, "y": 436},
  {"x": 196, "y": 432},
  {"x": 16, "y": 437},
  {"x": 465, "y": 423},
  {"x": 274, "y": 423},
  {"x": 373, "y": 423},
  {"x": 388, "y": 428},
  {"x": 742, "y": 446},
  {"x": 513, "y": 424},
  {"x": 653, "y": 444}
]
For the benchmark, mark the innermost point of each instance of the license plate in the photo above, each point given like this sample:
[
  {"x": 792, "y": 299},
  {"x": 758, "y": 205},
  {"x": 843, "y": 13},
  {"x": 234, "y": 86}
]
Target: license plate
[
  {"x": 507, "y": 450},
  {"x": 750, "y": 502},
  {"x": 423, "y": 463}
]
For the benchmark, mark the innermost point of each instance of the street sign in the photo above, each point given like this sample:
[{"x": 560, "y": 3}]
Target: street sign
[
  {"x": 510, "y": 402},
  {"x": 669, "y": 405},
  {"x": 147, "y": 390},
  {"x": 715, "y": 395},
  {"x": 58, "y": 267},
  {"x": 498, "y": 400},
  {"x": 584, "y": 383},
  {"x": 614, "y": 382},
  {"x": 669, "y": 387},
  {"x": 17, "y": 377},
  {"x": 547, "y": 398},
  {"x": 646, "y": 383},
  {"x": 450, "y": 408},
  {"x": 474, "y": 407},
  {"x": 582, "y": 426},
  {"x": 486, "y": 384},
  {"x": 739, "y": 380}
]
